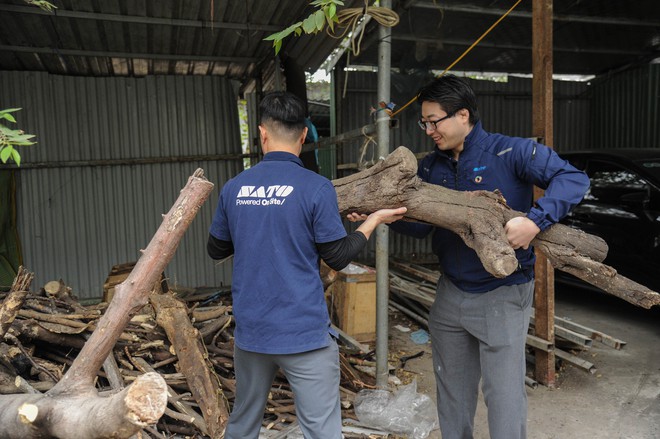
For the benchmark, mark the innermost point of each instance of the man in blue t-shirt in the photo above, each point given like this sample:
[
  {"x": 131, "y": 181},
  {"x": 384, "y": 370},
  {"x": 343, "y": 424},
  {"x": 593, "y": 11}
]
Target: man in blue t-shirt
[{"x": 279, "y": 219}]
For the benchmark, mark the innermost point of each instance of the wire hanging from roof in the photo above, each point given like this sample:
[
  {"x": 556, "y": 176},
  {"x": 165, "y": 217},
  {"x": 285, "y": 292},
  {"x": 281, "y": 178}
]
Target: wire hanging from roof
[
  {"x": 463, "y": 54},
  {"x": 349, "y": 19}
]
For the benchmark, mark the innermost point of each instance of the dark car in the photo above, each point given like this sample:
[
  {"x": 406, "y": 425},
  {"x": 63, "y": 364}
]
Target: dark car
[{"x": 622, "y": 206}]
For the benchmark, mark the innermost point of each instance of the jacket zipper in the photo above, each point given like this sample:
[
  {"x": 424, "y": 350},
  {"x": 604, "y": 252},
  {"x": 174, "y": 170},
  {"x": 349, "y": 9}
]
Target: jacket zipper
[{"x": 454, "y": 164}]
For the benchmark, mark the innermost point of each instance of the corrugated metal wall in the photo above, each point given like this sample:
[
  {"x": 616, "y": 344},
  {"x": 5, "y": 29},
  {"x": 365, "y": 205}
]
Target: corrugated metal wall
[
  {"x": 626, "y": 109},
  {"x": 505, "y": 107},
  {"x": 77, "y": 220}
]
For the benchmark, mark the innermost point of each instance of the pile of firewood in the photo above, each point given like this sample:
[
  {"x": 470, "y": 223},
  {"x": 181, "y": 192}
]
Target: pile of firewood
[
  {"x": 412, "y": 288},
  {"x": 51, "y": 327}
]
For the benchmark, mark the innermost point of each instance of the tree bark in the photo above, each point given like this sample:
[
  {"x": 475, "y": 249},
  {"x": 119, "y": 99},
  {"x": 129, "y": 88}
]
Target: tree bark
[
  {"x": 479, "y": 217},
  {"x": 172, "y": 315},
  {"x": 72, "y": 408},
  {"x": 15, "y": 299}
]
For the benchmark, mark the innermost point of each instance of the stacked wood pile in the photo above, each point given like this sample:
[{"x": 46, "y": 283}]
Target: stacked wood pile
[
  {"x": 52, "y": 326},
  {"x": 412, "y": 288}
]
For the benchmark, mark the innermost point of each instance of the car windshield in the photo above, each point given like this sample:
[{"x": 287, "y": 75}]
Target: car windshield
[{"x": 652, "y": 166}]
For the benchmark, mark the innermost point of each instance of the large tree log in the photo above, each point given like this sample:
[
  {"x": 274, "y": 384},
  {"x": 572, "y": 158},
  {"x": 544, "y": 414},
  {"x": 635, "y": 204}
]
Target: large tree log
[
  {"x": 73, "y": 408},
  {"x": 478, "y": 218}
]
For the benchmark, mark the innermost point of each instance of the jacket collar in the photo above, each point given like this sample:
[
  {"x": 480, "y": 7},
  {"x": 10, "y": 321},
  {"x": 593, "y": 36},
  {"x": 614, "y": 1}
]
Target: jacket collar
[{"x": 476, "y": 135}]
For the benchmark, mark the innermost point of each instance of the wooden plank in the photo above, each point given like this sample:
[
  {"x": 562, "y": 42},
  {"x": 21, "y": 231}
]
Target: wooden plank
[
  {"x": 542, "y": 124},
  {"x": 421, "y": 294},
  {"x": 417, "y": 270},
  {"x": 350, "y": 341}
]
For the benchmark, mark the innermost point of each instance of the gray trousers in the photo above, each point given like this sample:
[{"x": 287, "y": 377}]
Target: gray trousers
[
  {"x": 481, "y": 336},
  {"x": 314, "y": 379}
]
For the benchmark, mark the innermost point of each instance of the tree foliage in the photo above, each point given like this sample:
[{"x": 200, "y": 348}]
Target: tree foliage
[
  {"x": 326, "y": 12},
  {"x": 10, "y": 138}
]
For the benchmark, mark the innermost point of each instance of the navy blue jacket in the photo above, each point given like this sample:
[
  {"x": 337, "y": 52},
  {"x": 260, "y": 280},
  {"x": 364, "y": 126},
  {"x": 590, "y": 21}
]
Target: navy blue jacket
[{"x": 514, "y": 166}]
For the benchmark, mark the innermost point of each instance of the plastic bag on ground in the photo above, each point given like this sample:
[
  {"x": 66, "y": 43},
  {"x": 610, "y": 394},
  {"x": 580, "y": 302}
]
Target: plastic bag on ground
[{"x": 403, "y": 411}]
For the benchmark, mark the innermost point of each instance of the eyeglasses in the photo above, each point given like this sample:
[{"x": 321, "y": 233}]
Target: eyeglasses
[{"x": 432, "y": 125}]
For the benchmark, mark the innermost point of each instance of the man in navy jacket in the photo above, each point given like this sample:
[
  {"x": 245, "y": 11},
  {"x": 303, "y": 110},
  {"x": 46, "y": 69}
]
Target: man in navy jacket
[{"x": 478, "y": 323}]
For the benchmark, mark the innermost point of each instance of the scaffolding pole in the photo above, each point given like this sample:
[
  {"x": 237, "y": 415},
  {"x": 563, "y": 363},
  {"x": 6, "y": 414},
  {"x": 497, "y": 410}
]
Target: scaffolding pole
[{"x": 382, "y": 232}]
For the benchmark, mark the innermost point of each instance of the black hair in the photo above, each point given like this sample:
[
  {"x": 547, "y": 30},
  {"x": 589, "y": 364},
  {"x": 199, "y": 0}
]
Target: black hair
[
  {"x": 453, "y": 94},
  {"x": 284, "y": 111}
]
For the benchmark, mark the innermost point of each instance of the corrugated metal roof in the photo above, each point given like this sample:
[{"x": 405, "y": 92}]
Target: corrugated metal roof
[
  {"x": 225, "y": 37},
  {"x": 138, "y": 38},
  {"x": 589, "y": 37}
]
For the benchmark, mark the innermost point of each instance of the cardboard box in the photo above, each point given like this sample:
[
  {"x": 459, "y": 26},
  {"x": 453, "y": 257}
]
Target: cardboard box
[
  {"x": 352, "y": 301},
  {"x": 118, "y": 274}
]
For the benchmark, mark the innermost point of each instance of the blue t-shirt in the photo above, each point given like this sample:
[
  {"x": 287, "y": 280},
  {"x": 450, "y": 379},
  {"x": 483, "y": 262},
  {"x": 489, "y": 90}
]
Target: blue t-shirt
[{"x": 274, "y": 213}]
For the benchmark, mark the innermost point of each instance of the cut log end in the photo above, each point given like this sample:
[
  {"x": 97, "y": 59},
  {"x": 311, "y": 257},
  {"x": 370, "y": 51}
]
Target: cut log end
[
  {"x": 503, "y": 266},
  {"x": 27, "y": 413},
  {"x": 146, "y": 399}
]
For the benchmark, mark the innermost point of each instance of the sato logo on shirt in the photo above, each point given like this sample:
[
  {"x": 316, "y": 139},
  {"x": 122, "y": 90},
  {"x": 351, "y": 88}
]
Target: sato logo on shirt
[{"x": 262, "y": 195}]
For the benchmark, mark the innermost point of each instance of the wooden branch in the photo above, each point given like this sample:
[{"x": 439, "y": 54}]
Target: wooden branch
[
  {"x": 172, "y": 316},
  {"x": 202, "y": 315},
  {"x": 479, "y": 217},
  {"x": 73, "y": 408},
  {"x": 112, "y": 372},
  {"x": 32, "y": 330},
  {"x": 68, "y": 416},
  {"x": 133, "y": 293},
  {"x": 172, "y": 398},
  {"x": 14, "y": 300}
]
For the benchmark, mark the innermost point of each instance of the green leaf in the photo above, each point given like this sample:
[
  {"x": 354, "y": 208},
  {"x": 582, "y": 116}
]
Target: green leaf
[
  {"x": 286, "y": 32},
  {"x": 21, "y": 138},
  {"x": 319, "y": 17},
  {"x": 8, "y": 116},
  {"x": 283, "y": 34},
  {"x": 332, "y": 10},
  {"x": 331, "y": 23},
  {"x": 5, "y": 153},
  {"x": 16, "y": 156},
  {"x": 278, "y": 46},
  {"x": 309, "y": 24},
  {"x": 298, "y": 31},
  {"x": 271, "y": 37},
  {"x": 10, "y": 110}
]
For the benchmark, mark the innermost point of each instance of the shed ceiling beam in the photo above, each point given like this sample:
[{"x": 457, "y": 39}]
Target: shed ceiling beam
[
  {"x": 473, "y": 9},
  {"x": 106, "y": 54},
  {"x": 454, "y": 42},
  {"x": 140, "y": 20}
]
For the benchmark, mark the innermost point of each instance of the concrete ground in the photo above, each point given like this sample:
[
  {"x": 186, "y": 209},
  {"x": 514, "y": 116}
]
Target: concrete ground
[{"x": 621, "y": 400}]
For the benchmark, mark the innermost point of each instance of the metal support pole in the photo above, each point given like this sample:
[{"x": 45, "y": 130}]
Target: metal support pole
[{"x": 382, "y": 232}]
